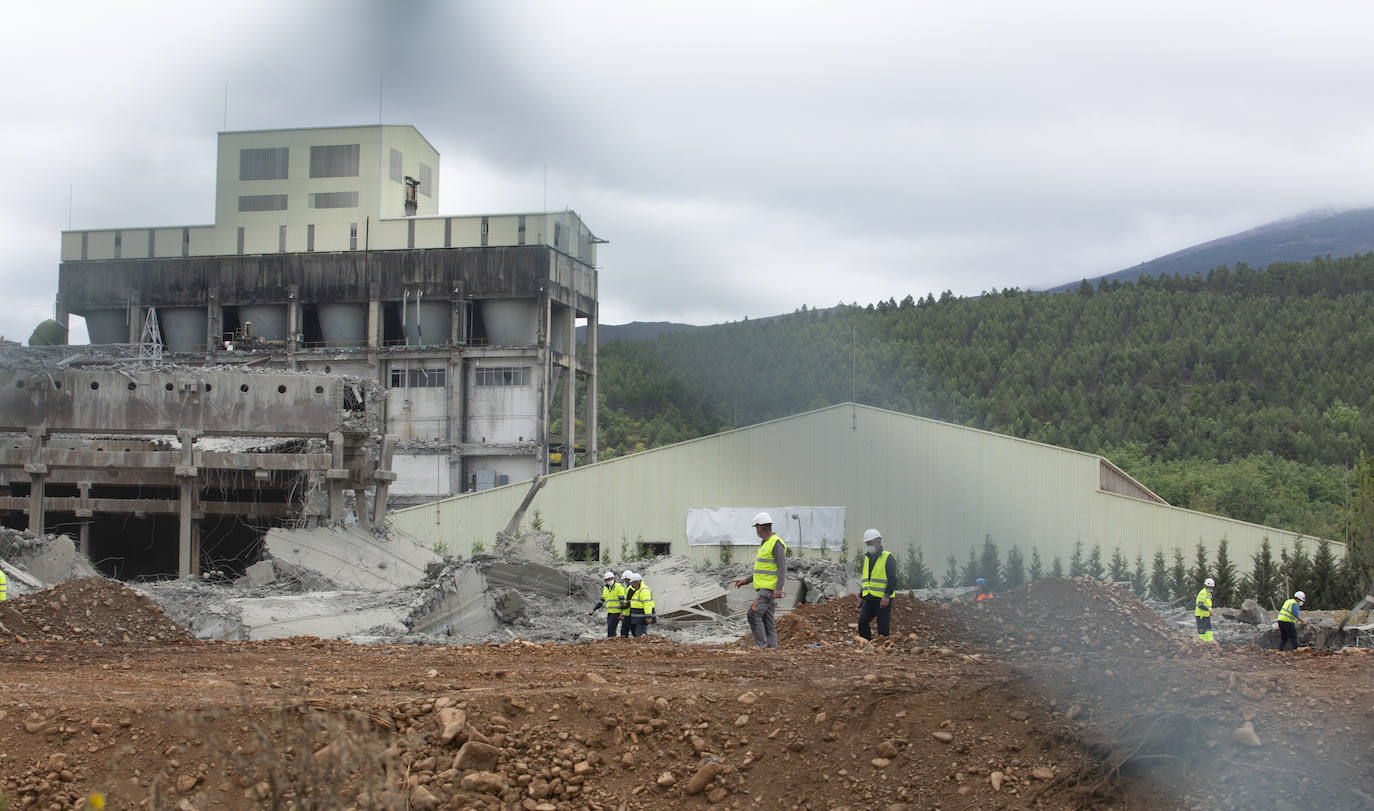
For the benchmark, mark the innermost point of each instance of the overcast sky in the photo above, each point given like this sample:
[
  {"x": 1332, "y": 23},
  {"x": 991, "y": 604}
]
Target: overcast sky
[{"x": 742, "y": 158}]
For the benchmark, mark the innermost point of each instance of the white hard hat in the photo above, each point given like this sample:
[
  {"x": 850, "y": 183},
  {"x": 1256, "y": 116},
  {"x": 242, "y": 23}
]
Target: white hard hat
[
  {"x": 872, "y": 535},
  {"x": 761, "y": 519},
  {"x": 627, "y": 574},
  {"x": 1299, "y": 596},
  {"x": 608, "y": 576},
  {"x": 635, "y": 578},
  {"x": 1209, "y": 583}
]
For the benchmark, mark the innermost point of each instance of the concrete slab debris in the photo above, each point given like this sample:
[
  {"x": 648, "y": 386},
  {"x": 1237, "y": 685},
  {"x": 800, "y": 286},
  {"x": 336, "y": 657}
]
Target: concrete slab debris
[
  {"x": 328, "y": 614},
  {"x": 457, "y": 604},
  {"x": 259, "y": 574},
  {"x": 353, "y": 557}
]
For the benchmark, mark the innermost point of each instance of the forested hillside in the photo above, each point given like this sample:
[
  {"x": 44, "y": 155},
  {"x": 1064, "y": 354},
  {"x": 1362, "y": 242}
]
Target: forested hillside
[{"x": 1243, "y": 392}]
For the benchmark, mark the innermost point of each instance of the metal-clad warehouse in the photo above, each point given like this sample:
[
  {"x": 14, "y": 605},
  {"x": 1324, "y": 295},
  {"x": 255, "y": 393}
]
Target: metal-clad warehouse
[{"x": 922, "y": 482}]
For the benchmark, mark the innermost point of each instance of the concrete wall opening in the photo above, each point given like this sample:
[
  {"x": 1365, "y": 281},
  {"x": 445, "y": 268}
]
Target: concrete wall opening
[
  {"x": 655, "y": 550},
  {"x": 130, "y": 547},
  {"x": 584, "y": 552}
]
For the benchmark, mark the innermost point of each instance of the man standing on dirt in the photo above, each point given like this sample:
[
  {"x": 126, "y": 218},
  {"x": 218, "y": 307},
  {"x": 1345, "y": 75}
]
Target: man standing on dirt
[
  {"x": 627, "y": 589},
  {"x": 1203, "y": 611},
  {"x": 879, "y": 584},
  {"x": 4, "y": 586},
  {"x": 641, "y": 607},
  {"x": 612, "y": 596},
  {"x": 1288, "y": 617},
  {"x": 770, "y": 573}
]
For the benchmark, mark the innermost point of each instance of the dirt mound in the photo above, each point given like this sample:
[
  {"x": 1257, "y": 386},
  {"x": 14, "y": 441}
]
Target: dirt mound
[
  {"x": 1077, "y": 614},
  {"x": 91, "y": 609},
  {"x": 835, "y": 622}
]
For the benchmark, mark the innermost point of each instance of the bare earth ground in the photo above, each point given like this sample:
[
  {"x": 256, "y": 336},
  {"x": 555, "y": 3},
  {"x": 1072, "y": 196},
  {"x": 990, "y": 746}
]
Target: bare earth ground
[{"x": 1066, "y": 694}]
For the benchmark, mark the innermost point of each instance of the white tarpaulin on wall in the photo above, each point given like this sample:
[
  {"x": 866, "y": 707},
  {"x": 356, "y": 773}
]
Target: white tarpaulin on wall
[{"x": 799, "y": 527}]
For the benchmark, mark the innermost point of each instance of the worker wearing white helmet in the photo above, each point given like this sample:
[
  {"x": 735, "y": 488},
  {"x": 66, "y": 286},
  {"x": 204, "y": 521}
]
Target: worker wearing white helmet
[
  {"x": 1203, "y": 611},
  {"x": 1289, "y": 618},
  {"x": 878, "y": 585},
  {"x": 641, "y": 606},
  {"x": 629, "y": 585},
  {"x": 613, "y": 597},
  {"x": 770, "y": 573}
]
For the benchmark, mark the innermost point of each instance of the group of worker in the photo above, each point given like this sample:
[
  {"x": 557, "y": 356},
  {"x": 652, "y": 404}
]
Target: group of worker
[
  {"x": 1289, "y": 616},
  {"x": 629, "y": 604}
]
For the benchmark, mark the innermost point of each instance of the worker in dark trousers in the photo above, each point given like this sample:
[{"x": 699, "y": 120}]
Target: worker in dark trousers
[
  {"x": 770, "y": 573},
  {"x": 878, "y": 585},
  {"x": 612, "y": 596},
  {"x": 641, "y": 607},
  {"x": 1289, "y": 616},
  {"x": 629, "y": 591}
]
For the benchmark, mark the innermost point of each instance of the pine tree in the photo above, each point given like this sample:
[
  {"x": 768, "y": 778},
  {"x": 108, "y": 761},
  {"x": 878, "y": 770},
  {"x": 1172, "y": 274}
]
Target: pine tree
[
  {"x": 1076, "y": 566},
  {"x": 1139, "y": 581},
  {"x": 1178, "y": 577},
  {"x": 917, "y": 575},
  {"x": 990, "y": 564},
  {"x": 972, "y": 570},
  {"x": 1359, "y": 522},
  {"x": 1159, "y": 577},
  {"x": 1057, "y": 568},
  {"x": 1262, "y": 583},
  {"x": 1036, "y": 570},
  {"x": 1119, "y": 567},
  {"x": 1014, "y": 572},
  {"x": 951, "y": 573},
  {"x": 1224, "y": 573},
  {"x": 1325, "y": 588},
  {"x": 1094, "y": 567},
  {"x": 1201, "y": 568},
  {"x": 1297, "y": 570}
]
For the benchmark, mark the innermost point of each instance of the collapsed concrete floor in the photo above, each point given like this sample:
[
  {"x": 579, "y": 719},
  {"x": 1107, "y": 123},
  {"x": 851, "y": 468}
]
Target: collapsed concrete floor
[{"x": 1097, "y": 703}]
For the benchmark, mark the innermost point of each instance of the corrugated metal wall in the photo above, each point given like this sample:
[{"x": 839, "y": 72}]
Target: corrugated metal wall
[{"x": 921, "y": 482}]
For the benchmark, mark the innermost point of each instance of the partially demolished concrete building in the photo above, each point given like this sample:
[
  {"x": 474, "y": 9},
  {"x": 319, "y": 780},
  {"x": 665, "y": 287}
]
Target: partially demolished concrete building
[{"x": 328, "y": 256}]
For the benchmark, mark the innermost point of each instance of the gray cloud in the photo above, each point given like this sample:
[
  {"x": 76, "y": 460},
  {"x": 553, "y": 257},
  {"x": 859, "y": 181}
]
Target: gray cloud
[{"x": 743, "y": 158}]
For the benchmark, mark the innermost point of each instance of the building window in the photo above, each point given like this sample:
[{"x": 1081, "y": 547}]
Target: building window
[
  {"x": 558, "y": 235},
  {"x": 520, "y": 232},
  {"x": 186, "y": 242},
  {"x": 353, "y": 236},
  {"x": 655, "y": 550},
  {"x": 397, "y": 170},
  {"x": 334, "y": 199},
  {"x": 119, "y": 244},
  {"x": 503, "y": 375},
  {"x": 240, "y": 248},
  {"x": 310, "y": 237},
  {"x": 263, "y": 164},
  {"x": 334, "y": 161},
  {"x": 262, "y": 202},
  {"x": 151, "y": 242},
  {"x": 418, "y": 378},
  {"x": 484, "y": 230},
  {"x": 584, "y": 552},
  {"x": 426, "y": 186},
  {"x": 281, "y": 239}
]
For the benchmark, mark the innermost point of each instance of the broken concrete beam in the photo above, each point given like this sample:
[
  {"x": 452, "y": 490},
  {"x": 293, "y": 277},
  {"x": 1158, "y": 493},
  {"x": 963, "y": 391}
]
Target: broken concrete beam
[
  {"x": 353, "y": 557},
  {"x": 457, "y": 605},
  {"x": 529, "y": 578},
  {"x": 327, "y": 614},
  {"x": 259, "y": 574}
]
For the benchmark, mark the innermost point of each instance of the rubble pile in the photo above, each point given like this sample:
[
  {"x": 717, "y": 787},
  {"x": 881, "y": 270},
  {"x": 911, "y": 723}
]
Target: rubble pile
[
  {"x": 1078, "y": 614},
  {"x": 91, "y": 610},
  {"x": 835, "y": 622},
  {"x": 34, "y": 561}
]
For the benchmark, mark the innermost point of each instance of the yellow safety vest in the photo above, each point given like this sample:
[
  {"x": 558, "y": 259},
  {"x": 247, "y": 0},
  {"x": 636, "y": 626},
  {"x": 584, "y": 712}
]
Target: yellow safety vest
[
  {"x": 611, "y": 596},
  {"x": 766, "y": 564},
  {"x": 643, "y": 600},
  {"x": 3, "y": 586},
  {"x": 1204, "y": 604},
  {"x": 875, "y": 582},
  {"x": 1290, "y": 611}
]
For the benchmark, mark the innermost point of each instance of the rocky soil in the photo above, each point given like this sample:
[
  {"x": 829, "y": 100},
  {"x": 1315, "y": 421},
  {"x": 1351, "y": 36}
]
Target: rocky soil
[{"x": 1065, "y": 695}]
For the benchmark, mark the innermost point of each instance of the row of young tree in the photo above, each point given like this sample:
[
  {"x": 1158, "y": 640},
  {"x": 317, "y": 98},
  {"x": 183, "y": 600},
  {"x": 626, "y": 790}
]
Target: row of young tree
[{"x": 1330, "y": 581}]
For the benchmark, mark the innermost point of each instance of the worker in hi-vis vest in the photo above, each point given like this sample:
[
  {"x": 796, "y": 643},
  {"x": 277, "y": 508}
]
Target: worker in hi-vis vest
[
  {"x": 641, "y": 614},
  {"x": 613, "y": 597},
  {"x": 1289, "y": 616},
  {"x": 879, "y": 584},
  {"x": 770, "y": 573},
  {"x": 4, "y": 586},
  {"x": 1203, "y": 611}
]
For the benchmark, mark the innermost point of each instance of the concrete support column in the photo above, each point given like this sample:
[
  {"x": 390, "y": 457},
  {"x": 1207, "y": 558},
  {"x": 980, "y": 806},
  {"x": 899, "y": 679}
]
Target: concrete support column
[
  {"x": 293, "y": 324},
  {"x": 360, "y": 507},
  {"x": 336, "y": 476},
  {"x": 214, "y": 322},
  {"x": 570, "y": 395},
  {"x": 459, "y": 327},
  {"x": 590, "y": 419},
  {"x": 38, "y": 474},
  {"x": 384, "y": 477},
  {"x": 136, "y": 316},
  {"x": 84, "y": 513},
  {"x": 188, "y": 559},
  {"x": 63, "y": 317},
  {"x": 544, "y": 393},
  {"x": 374, "y": 315},
  {"x": 83, "y": 539}
]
